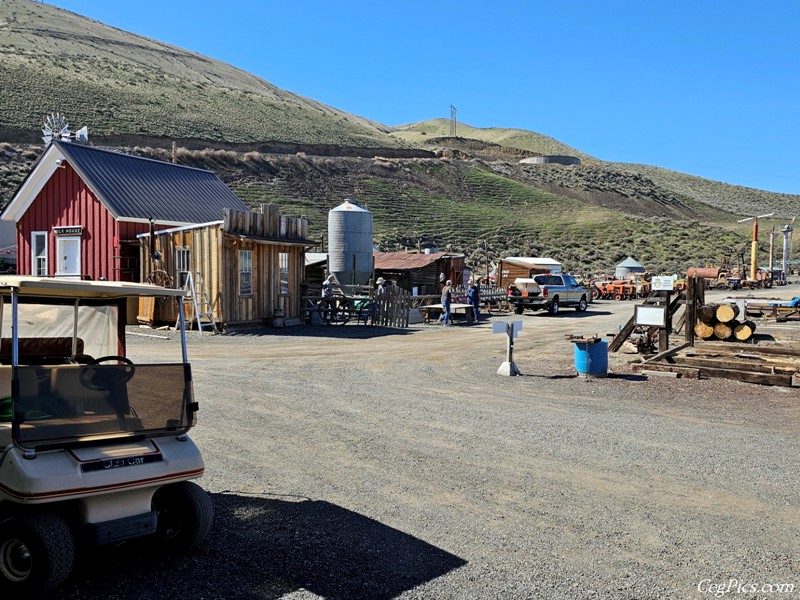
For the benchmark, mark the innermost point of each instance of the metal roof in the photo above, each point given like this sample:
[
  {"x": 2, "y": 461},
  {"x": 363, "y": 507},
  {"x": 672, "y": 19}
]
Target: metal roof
[
  {"x": 401, "y": 261},
  {"x": 631, "y": 263},
  {"x": 133, "y": 188},
  {"x": 532, "y": 261}
]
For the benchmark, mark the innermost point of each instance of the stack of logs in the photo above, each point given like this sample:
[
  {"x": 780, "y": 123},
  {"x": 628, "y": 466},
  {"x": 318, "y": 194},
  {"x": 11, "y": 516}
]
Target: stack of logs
[{"x": 719, "y": 321}]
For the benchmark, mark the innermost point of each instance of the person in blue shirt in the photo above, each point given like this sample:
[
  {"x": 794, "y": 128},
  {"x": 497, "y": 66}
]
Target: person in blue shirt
[
  {"x": 474, "y": 299},
  {"x": 447, "y": 299}
]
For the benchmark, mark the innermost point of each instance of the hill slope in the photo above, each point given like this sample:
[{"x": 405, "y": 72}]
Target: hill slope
[
  {"x": 52, "y": 60},
  {"x": 468, "y": 194}
]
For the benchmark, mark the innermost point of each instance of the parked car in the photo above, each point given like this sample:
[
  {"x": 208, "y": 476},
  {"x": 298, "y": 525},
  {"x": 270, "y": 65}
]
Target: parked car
[{"x": 547, "y": 292}]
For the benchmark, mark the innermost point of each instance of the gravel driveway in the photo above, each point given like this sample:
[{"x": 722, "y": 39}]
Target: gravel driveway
[{"x": 355, "y": 462}]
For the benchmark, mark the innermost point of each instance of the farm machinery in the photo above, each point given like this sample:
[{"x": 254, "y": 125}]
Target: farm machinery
[{"x": 620, "y": 289}]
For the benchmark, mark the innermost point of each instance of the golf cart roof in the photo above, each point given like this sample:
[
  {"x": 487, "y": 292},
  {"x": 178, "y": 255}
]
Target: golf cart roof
[{"x": 60, "y": 288}]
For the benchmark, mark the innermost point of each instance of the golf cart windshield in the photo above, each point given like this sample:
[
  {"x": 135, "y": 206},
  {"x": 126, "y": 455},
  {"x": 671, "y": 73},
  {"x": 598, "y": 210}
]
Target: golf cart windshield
[{"x": 64, "y": 377}]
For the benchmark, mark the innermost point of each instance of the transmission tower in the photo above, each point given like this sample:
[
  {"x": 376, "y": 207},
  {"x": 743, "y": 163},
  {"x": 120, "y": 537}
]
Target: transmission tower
[{"x": 453, "y": 120}]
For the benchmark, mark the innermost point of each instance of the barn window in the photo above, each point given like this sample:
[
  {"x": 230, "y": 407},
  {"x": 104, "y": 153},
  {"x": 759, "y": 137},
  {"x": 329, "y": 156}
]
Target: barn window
[
  {"x": 183, "y": 266},
  {"x": 39, "y": 253},
  {"x": 283, "y": 262},
  {"x": 245, "y": 272}
]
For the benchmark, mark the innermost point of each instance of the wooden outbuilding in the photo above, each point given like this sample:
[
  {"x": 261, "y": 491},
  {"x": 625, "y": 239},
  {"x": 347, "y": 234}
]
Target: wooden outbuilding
[
  {"x": 248, "y": 265},
  {"x": 79, "y": 210},
  {"x": 424, "y": 273},
  {"x": 508, "y": 269}
]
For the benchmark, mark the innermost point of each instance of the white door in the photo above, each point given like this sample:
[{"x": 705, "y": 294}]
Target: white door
[{"x": 68, "y": 255}]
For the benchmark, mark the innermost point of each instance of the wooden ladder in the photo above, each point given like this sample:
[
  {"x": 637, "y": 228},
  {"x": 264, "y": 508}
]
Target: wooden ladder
[{"x": 201, "y": 305}]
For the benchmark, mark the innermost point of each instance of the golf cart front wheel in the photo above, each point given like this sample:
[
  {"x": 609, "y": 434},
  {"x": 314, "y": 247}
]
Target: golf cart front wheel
[
  {"x": 184, "y": 515},
  {"x": 37, "y": 553}
]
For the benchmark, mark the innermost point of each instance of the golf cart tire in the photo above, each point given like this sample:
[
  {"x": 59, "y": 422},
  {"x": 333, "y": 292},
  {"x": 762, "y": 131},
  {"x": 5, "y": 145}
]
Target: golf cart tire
[
  {"x": 37, "y": 553},
  {"x": 184, "y": 515}
]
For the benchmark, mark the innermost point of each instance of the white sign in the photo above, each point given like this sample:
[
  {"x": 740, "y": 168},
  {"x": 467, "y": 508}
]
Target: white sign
[
  {"x": 515, "y": 326},
  {"x": 652, "y": 316},
  {"x": 663, "y": 284}
]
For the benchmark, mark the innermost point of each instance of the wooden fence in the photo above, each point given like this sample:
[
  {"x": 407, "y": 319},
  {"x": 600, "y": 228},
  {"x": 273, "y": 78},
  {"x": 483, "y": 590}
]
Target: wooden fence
[{"x": 392, "y": 307}]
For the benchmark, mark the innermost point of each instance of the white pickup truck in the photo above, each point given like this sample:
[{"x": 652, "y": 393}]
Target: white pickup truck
[{"x": 547, "y": 292}]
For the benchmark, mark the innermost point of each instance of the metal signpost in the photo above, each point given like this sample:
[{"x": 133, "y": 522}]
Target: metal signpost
[
  {"x": 656, "y": 316},
  {"x": 511, "y": 329}
]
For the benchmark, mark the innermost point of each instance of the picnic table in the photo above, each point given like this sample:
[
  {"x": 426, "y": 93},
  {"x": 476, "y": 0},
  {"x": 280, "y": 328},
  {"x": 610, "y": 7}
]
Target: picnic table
[{"x": 455, "y": 307}]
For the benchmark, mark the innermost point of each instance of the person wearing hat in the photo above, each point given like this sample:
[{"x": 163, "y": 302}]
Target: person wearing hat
[
  {"x": 382, "y": 286},
  {"x": 447, "y": 299}
]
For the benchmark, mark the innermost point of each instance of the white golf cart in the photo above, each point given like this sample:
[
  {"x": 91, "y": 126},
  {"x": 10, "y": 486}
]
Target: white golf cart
[{"x": 94, "y": 447}]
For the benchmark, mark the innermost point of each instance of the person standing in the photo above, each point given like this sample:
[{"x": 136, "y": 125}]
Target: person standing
[
  {"x": 474, "y": 299},
  {"x": 329, "y": 287},
  {"x": 381, "y": 287},
  {"x": 447, "y": 299}
]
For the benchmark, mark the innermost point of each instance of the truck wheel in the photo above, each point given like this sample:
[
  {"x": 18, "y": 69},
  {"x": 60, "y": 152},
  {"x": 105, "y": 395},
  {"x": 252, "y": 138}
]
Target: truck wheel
[
  {"x": 184, "y": 514},
  {"x": 582, "y": 305},
  {"x": 518, "y": 309},
  {"x": 37, "y": 553},
  {"x": 554, "y": 306}
]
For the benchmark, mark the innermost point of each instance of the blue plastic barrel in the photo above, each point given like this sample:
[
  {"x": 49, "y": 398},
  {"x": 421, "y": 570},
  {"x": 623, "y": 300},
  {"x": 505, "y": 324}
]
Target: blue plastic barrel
[{"x": 591, "y": 360}]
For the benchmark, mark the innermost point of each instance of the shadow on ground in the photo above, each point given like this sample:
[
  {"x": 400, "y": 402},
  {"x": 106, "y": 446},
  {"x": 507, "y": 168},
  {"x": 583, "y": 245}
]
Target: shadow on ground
[
  {"x": 264, "y": 548},
  {"x": 347, "y": 331}
]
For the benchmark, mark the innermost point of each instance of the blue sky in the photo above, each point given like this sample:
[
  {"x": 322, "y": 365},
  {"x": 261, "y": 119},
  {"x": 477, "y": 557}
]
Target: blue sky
[{"x": 709, "y": 88}]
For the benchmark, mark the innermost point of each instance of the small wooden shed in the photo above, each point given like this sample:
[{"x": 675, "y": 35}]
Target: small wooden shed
[
  {"x": 249, "y": 265},
  {"x": 511, "y": 267},
  {"x": 420, "y": 271}
]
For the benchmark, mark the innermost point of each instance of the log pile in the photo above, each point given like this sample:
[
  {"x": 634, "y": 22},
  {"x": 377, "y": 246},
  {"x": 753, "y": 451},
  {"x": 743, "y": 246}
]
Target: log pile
[{"x": 719, "y": 321}]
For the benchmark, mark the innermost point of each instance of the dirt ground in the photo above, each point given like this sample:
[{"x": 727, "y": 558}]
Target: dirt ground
[{"x": 357, "y": 462}]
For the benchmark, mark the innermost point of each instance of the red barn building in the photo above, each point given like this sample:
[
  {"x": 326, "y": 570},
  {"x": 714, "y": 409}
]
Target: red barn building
[{"x": 80, "y": 209}]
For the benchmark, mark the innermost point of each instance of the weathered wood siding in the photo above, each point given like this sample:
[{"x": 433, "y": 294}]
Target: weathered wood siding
[
  {"x": 507, "y": 272},
  {"x": 215, "y": 256}
]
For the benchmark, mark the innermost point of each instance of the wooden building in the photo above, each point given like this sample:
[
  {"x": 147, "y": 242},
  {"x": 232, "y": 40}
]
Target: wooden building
[
  {"x": 250, "y": 265},
  {"x": 422, "y": 272},
  {"x": 79, "y": 210},
  {"x": 508, "y": 269}
]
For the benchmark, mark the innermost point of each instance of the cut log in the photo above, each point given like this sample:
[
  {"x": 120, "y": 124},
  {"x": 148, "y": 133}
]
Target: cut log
[
  {"x": 703, "y": 331},
  {"x": 727, "y": 313},
  {"x": 744, "y": 331},
  {"x": 707, "y": 313},
  {"x": 722, "y": 331}
]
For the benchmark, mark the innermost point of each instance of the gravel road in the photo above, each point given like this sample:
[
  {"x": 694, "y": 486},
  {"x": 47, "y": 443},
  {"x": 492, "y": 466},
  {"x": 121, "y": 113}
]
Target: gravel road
[{"x": 355, "y": 462}]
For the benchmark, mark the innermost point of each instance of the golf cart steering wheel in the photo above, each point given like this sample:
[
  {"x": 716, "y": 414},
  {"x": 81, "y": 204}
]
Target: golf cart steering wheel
[{"x": 106, "y": 378}]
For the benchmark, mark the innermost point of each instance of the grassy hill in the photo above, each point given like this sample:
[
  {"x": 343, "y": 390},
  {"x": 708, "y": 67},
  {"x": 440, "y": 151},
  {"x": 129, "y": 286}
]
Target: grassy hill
[
  {"x": 117, "y": 83},
  {"x": 465, "y": 193},
  {"x": 432, "y": 133}
]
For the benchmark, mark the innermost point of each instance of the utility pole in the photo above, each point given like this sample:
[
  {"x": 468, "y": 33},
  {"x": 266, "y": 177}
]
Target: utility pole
[{"x": 787, "y": 232}]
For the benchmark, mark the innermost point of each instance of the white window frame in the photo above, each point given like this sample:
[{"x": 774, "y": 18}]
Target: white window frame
[
  {"x": 246, "y": 268},
  {"x": 284, "y": 261},
  {"x": 35, "y": 258},
  {"x": 60, "y": 241},
  {"x": 183, "y": 266}
]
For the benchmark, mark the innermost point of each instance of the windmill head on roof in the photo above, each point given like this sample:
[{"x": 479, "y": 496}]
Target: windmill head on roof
[{"x": 56, "y": 127}]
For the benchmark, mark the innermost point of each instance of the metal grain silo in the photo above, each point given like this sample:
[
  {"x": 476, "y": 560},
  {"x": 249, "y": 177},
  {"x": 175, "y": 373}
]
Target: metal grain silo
[
  {"x": 627, "y": 268},
  {"x": 350, "y": 243}
]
